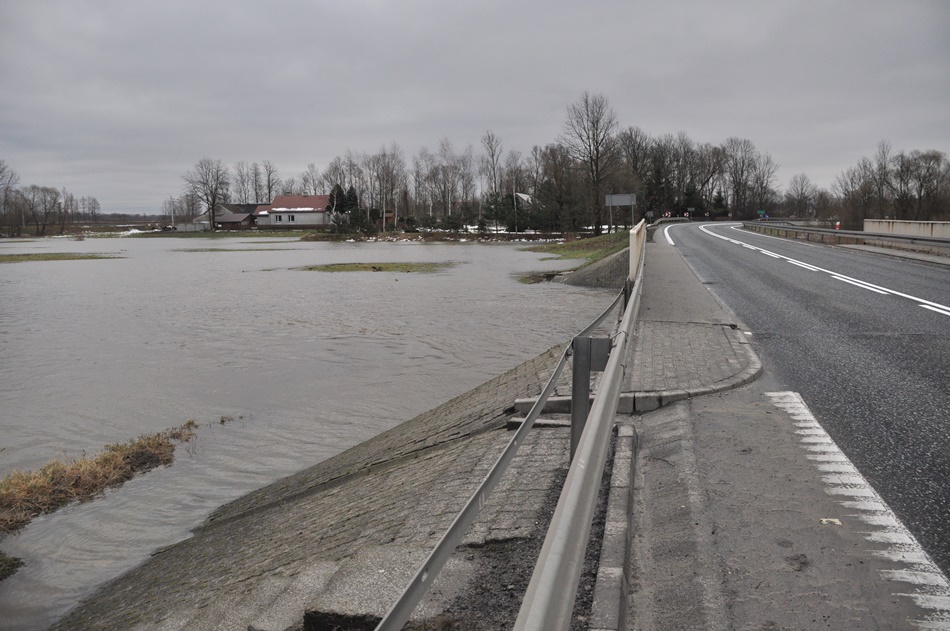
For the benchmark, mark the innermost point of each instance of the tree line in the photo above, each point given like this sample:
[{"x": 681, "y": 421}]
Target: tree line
[
  {"x": 40, "y": 209},
  {"x": 562, "y": 186}
]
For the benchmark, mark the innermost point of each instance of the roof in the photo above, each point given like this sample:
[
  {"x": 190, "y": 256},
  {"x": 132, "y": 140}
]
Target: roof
[
  {"x": 232, "y": 217},
  {"x": 296, "y": 203},
  {"x": 241, "y": 208}
]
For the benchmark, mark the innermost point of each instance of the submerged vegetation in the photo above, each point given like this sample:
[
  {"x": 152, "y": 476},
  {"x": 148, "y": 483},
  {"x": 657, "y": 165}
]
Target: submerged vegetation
[
  {"x": 230, "y": 250},
  {"x": 421, "y": 268},
  {"x": 52, "y": 256},
  {"x": 8, "y": 565},
  {"x": 25, "y": 495}
]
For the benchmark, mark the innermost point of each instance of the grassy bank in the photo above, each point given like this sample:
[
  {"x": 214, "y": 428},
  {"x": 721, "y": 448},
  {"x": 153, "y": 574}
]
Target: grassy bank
[
  {"x": 25, "y": 495},
  {"x": 590, "y": 249}
]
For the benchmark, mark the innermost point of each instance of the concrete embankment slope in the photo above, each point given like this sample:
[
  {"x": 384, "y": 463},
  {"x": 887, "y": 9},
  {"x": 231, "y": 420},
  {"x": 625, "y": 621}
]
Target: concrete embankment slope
[{"x": 342, "y": 539}]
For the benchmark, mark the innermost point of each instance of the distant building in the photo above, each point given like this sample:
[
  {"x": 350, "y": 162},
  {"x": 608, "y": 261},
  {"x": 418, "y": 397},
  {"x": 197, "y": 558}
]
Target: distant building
[
  {"x": 294, "y": 211},
  {"x": 234, "y": 221}
]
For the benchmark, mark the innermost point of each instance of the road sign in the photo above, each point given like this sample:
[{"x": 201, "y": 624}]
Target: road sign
[{"x": 627, "y": 199}]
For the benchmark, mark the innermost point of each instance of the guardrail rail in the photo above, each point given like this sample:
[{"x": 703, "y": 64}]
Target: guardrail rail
[{"x": 557, "y": 572}]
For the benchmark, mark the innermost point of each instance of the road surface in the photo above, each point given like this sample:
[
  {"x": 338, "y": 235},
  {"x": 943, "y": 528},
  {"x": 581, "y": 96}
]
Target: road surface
[{"x": 865, "y": 339}]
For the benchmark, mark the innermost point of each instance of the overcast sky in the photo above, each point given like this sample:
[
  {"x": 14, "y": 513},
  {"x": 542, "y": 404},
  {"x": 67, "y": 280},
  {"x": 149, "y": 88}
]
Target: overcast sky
[{"x": 117, "y": 99}]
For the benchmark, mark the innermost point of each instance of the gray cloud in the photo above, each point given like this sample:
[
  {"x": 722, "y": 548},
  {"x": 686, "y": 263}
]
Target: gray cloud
[{"x": 118, "y": 99}]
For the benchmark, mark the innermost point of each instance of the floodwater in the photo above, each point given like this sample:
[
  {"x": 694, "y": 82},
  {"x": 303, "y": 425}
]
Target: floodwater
[{"x": 305, "y": 363}]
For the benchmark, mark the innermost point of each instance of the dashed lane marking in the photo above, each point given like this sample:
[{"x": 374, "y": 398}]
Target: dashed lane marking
[{"x": 926, "y": 304}]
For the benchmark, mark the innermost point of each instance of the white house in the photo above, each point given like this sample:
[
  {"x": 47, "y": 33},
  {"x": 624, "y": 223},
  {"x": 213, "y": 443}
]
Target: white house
[{"x": 295, "y": 211}]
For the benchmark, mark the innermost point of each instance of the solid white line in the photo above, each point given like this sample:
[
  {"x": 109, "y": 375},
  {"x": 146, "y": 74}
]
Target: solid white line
[
  {"x": 666, "y": 233},
  {"x": 861, "y": 285},
  {"x": 928, "y": 584},
  {"x": 810, "y": 268},
  {"x": 945, "y": 312}
]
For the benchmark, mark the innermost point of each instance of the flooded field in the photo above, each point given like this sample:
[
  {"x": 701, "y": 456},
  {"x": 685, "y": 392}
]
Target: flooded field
[{"x": 298, "y": 364}]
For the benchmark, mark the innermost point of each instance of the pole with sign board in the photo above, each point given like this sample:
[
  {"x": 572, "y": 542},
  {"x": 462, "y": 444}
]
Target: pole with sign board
[{"x": 625, "y": 199}]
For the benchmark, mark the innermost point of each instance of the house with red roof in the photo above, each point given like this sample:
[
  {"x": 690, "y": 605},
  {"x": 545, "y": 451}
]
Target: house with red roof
[{"x": 295, "y": 211}]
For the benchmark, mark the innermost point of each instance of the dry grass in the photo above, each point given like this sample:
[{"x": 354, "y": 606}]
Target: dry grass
[{"x": 23, "y": 496}]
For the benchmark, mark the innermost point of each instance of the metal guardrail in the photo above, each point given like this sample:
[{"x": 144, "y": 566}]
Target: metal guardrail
[
  {"x": 400, "y": 612},
  {"x": 830, "y": 234},
  {"x": 549, "y": 599}
]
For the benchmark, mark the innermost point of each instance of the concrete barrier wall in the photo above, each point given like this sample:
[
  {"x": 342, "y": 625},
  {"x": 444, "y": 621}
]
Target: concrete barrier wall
[
  {"x": 608, "y": 273},
  {"x": 909, "y": 228}
]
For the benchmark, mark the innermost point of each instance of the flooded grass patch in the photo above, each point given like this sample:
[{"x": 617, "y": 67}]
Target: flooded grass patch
[
  {"x": 420, "y": 268},
  {"x": 231, "y": 249},
  {"x": 8, "y": 565},
  {"x": 52, "y": 256},
  {"x": 534, "y": 279},
  {"x": 25, "y": 495}
]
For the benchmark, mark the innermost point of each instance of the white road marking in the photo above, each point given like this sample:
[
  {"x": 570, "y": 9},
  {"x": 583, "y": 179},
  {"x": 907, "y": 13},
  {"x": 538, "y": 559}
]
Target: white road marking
[
  {"x": 926, "y": 304},
  {"x": 805, "y": 265},
  {"x": 945, "y": 312},
  {"x": 666, "y": 233},
  {"x": 860, "y": 284},
  {"x": 920, "y": 579}
]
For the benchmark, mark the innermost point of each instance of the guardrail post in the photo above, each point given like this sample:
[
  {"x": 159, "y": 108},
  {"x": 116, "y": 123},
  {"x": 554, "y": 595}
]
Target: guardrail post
[
  {"x": 627, "y": 293},
  {"x": 590, "y": 354},
  {"x": 580, "y": 389}
]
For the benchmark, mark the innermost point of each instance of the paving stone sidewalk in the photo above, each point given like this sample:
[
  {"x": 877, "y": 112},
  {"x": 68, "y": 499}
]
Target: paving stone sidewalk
[{"x": 687, "y": 344}]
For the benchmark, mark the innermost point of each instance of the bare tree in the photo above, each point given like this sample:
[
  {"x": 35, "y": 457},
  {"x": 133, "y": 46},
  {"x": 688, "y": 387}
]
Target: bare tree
[
  {"x": 335, "y": 174},
  {"x": 423, "y": 181},
  {"x": 291, "y": 186},
  {"x": 929, "y": 177},
  {"x": 448, "y": 177},
  {"x": 589, "y": 134},
  {"x": 468, "y": 178},
  {"x": 68, "y": 209},
  {"x": 271, "y": 180},
  {"x": 258, "y": 185},
  {"x": 491, "y": 162},
  {"x": 208, "y": 181},
  {"x": 800, "y": 196},
  {"x": 740, "y": 168},
  {"x": 659, "y": 174},
  {"x": 634, "y": 144},
  {"x": 559, "y": 189},
  {"x": 8, "y": 183},
  {"x": 882, "y": 178},
  {"x": 243, "y": 181},
  {"x": 390, "y": 173},
  {"x": 41, "y": 205},
  {"x": 855, "y": 190},
  {"x": 310, "y": 180},
  {"x": 763, "y": 181},
  {"x": 89, "y": 207}
]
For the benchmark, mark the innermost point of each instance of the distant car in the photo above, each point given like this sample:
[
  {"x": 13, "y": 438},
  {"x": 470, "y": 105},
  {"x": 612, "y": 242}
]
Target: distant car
[{"x": 169, "y": 228}]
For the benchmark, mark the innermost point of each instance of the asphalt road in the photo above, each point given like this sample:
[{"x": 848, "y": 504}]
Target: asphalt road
[{"x": 865, "y": 339}]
